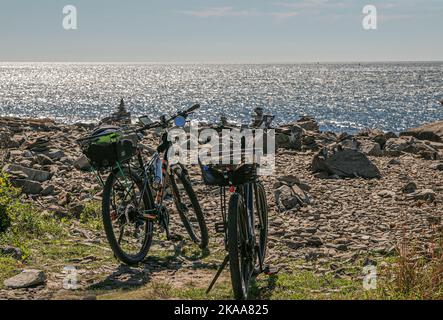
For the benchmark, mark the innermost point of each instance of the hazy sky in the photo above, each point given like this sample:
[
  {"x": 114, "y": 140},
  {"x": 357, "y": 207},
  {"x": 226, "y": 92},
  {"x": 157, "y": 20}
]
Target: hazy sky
[{"x": 221, "y": 31}]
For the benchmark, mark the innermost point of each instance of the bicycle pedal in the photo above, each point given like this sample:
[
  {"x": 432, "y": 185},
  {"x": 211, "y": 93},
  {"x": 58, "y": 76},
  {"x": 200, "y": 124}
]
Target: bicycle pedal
[
  {"x": 150, "y": 215},
  {"x": 220, "y": 227},
  {"x": 269, "y": 271}
]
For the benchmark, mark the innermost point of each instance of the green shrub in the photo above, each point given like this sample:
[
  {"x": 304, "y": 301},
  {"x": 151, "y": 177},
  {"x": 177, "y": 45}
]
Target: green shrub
[{"x": 8, "y": 198}]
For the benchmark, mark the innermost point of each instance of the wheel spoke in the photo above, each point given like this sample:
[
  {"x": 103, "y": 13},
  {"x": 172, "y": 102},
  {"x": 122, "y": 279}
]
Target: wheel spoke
[{"x": 120, "y": 236}]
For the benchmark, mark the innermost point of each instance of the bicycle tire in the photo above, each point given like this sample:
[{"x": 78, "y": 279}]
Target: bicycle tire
[
  {"x": 262, "y": 213},
  {"x": 237, "y": 217},
  {"x": 107, "y": 221},
  {"x": 203, "y": 239}
]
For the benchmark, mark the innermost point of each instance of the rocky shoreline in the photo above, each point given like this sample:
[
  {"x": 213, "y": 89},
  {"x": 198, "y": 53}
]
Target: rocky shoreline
[{"x": 334, "y": 196}]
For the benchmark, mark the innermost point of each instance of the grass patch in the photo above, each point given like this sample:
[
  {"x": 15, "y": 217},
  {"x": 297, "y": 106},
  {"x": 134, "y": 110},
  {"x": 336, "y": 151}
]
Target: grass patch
[
  {"x": 20, "y": 221},
  {"x": 414, "y": 274},
  {"x": 307, "y": 285},
  {"x": 91, "y": 215}
]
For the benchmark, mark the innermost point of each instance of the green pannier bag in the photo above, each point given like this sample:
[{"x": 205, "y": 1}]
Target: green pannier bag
[{"x": 107, "y": 146}]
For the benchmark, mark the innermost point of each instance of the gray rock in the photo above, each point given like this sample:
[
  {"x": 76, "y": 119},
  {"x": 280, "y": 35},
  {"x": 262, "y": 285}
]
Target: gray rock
[
  {"x": 285, "y": 198},
  {"x": 377, "y": 136},
  {"x": 295, "y": 244},
  {"x": 302, "y": 196},
  {"x": 55, "y": 154},
  {"x": 48, "y": 191},
  {"x": 349, "y": 143},
  {"x": 370, "y": 148},
  {"x": 437, "y": 166},
  {"x": 27, "y": 278},
  {"x": 432, "y": 132},
  {"x": 44, "y": 159},
  {"x": 82, "y": 164},
  {"x": 308, "y": 123},
  {"x": 6, "y": 140},
  {"x": 14, "y": 252},
  {"x": 394, "y": 162},
  {"x": 422, "y": 195},
  {"x": 345, "y": 164},
  {"x": 397, "y": 146},
  {"x": 28, "y": 154},
  {"x": 32, "y": 174},
  {"x": 411, "y": 187},
  {"x": 288, "y": 198},
  {"x": 28, "y": 186},
  {"x": 289, "y": 180},
  {"x": 289, "y": 138}
]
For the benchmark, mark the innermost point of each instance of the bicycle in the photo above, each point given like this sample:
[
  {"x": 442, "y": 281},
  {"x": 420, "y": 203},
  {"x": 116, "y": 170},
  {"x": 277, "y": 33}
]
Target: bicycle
[
  {"x": 244, "y": 223},
  {"x": 130, "y": 208}
]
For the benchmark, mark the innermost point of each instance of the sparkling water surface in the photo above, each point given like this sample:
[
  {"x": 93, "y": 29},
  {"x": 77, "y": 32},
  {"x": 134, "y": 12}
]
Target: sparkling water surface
[{"x": 388, "y": 96}]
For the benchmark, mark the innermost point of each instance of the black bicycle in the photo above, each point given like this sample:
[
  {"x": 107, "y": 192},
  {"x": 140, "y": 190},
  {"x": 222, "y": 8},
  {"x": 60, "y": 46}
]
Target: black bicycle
[
  {"x": 134, "y": 192},
  {"x": 244, "y": 222}
]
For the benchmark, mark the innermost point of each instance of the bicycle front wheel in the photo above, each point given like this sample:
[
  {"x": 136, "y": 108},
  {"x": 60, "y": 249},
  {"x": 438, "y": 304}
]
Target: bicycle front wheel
[
  {"x": 261, "y": 211},
  {"x": 240, "y": 248},
  {"x": 189, "y": 208}
]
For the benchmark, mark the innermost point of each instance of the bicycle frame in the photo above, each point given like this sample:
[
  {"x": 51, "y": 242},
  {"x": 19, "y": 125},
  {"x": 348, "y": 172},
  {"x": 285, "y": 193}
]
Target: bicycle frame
[{"x": 167, "y": 176}]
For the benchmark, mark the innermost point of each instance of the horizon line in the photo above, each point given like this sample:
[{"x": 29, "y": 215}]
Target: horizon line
[{"x": 223, "y": 62}]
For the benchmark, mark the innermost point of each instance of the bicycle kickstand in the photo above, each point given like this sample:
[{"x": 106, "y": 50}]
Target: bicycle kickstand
[{"x": 220, "y": 270}]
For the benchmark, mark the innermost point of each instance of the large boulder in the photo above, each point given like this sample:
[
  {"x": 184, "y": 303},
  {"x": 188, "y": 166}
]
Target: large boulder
[
  {"x": 431, "y": 131},
  {"x": 345, "y": 163}
]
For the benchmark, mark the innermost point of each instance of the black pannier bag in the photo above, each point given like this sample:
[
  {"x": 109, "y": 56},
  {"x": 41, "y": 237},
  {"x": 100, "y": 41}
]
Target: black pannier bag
[
  {"x": 224, "y": 175},
  {"x": 227, "y": 175},
  {"x": 107, "y": 146}
]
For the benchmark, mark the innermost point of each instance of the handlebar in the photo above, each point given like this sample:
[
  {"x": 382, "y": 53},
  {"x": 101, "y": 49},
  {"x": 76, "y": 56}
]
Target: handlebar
[
  {"x": 193, "y": 108},
  {"x": 164, "y": 123}
]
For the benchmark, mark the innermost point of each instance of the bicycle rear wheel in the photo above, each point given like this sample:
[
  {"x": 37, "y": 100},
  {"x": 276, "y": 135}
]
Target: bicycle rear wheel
[
  {"x": 240, "y": 248},
  {"x": 124, "y": 203}
]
